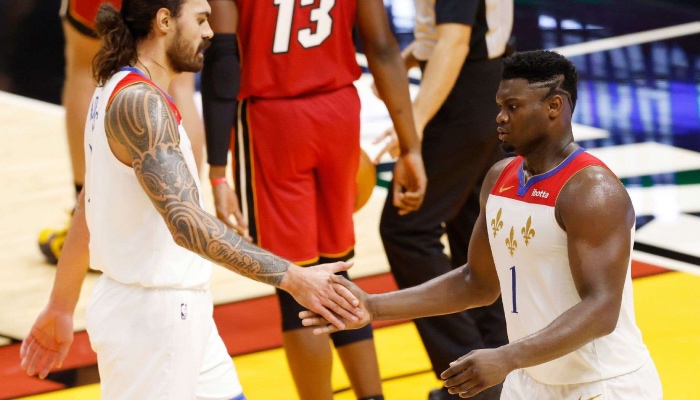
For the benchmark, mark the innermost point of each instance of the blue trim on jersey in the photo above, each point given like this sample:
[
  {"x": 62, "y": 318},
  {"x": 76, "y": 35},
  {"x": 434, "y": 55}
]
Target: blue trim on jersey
[
  {"x": 240, "y": 397},
  {"x": 138, "y": 71},
  {"x": 523, "y": 188}
]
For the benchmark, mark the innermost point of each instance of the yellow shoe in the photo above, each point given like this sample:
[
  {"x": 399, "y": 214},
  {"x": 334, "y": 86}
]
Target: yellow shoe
[{"x": 51, "y": 243}]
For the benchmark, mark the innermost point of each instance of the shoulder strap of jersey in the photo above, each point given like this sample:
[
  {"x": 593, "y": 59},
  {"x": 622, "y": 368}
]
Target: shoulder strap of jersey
[
  {"x": 508, "y": 179},
  {"x": 136, "y": 76}
]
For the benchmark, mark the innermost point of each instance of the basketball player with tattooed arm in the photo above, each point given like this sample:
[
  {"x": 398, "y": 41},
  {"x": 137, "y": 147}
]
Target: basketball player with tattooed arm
[
  {"x": 555, "y": 230},
  {"x": 140, "y": 214},
  {"x": 82, "y": 44}
]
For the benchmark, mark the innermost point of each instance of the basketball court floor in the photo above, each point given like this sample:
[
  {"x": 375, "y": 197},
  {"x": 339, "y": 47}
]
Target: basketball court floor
[{"x": 638, "y": 110}]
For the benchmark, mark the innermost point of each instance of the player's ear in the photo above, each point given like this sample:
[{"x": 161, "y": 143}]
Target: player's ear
[
  {"x": 163, "y": 21},
  {"x": 555, "y": 105}
]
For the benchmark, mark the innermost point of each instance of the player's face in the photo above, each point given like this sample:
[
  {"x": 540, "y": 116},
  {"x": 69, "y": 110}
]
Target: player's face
[
  {"x": 523, "y": 119},
  {"x": 192, "y": 36}
]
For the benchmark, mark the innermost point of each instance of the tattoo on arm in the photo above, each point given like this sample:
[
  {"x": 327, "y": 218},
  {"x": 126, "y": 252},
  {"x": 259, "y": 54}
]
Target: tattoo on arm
[{"x": 140, "y": 119}]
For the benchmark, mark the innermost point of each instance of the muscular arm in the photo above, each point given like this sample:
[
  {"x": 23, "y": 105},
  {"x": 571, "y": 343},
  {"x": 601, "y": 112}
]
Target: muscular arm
[
  {"x": 140, "y": 120},
  {"x": 472, "y": 285},
  {"x": 441, "y": 71},
  {"x": 597, "y": 214}
]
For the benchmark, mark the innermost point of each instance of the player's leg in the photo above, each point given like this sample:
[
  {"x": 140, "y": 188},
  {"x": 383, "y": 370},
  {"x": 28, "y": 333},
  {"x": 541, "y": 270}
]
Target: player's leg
[
  {"x": 336, "y": 177},
  {"x": 218, "y": 378},
  {"x": 182, "y": 89},
  {"x": 309, "y": 356},
  {"x": 151, "y": 343},
  {"x": 360, "y": 362},
  {"x": 358, "y": 354},
  {"x": 276, "y": 185}
]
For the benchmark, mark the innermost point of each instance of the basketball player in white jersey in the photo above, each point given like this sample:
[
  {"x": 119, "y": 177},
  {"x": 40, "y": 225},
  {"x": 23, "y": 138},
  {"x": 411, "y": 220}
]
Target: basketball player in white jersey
[
  {"x": 150, "y": 315},
  {"x": 554, "y": 237}
]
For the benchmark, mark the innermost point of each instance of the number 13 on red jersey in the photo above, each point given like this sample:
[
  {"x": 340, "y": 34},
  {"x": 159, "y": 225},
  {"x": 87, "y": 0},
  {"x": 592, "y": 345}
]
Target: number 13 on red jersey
[{"x": 307, "y": 37}]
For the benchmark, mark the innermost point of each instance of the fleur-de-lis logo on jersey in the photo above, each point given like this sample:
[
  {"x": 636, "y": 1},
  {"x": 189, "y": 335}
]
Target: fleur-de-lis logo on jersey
[
  {"x": 497, "y": 224},
  {"x": 511, "y": 242},
  {"x": 527, "y": 232}
]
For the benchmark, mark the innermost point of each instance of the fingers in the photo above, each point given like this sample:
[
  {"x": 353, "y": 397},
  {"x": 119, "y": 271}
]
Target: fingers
[
  {"x": 310, "y": 318},
  {"x": 29, "y": 351},
  {"x": 341, "y": 307},
  {"x": 62, "y": 353},
  {"x": 307, "y": 314},
  {"x": 468, "y": 389},
  {"x": 341, "y": 266},
  {"x": 242, "y": 221},
  {"x": 25, "y": 346},
  {"x": 391, "y": 148},
  {"x": 451, "y": 372},
  {"x": 383, "y": 136},
  {"x": 325, "y": 313},
  {"x": 378, "y": 158},
  {"x": 48, "y": 363},
  {"x": 324, "y": 330},
  {"x": 316, "y": 321},
  {"x": 346, "y": 294},
  {"x": 33, "y": 362},
  {"x": 406, "y": 202}
]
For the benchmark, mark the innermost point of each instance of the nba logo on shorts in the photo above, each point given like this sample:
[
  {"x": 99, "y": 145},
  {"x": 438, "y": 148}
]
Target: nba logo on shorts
[{"x": 183, "y": 311}]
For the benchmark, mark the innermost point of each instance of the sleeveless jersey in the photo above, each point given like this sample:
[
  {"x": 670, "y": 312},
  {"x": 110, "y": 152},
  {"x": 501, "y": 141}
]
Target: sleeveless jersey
[
  {"x": 129, "y": 240},
  {"x": 530, "y": 252},
  {"x": 292, "y": 48}
]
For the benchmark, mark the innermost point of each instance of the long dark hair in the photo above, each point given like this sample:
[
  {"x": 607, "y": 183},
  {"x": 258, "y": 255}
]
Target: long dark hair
[{"x": 122, "y": 30}]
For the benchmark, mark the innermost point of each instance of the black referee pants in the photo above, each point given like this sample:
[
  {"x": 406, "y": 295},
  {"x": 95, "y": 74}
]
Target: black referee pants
[{"x": 460, "y": 144}]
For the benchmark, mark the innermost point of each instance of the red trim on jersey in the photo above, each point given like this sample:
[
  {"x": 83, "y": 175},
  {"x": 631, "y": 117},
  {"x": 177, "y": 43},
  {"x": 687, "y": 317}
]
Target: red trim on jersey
[
  {"x": 133, "y": 78},
  {"x": 541, "y": 189}
]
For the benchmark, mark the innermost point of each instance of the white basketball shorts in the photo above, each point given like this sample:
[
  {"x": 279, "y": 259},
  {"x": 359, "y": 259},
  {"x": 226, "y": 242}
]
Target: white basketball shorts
[
  {"x": 642, "y": 384},
  {"x": 158, "y": 344}
]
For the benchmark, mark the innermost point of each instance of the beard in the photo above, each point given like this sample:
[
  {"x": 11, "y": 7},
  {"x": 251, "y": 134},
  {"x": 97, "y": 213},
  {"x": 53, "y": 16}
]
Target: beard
[{"x": 181, "y": 57}]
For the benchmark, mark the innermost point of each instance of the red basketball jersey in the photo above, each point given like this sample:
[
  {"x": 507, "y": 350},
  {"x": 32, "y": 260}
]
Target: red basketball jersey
[
  {"x": 292, "y": 48},
  {"x": 85, "y": 11}
]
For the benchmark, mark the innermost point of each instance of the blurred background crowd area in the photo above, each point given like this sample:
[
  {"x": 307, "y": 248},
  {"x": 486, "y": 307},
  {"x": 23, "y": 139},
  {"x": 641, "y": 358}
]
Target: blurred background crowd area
[{"x": 31, "y": 39}]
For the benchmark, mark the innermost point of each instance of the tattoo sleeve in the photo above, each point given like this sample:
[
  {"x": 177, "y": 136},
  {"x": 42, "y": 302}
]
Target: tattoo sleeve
[{"x": 140, "y": 119}]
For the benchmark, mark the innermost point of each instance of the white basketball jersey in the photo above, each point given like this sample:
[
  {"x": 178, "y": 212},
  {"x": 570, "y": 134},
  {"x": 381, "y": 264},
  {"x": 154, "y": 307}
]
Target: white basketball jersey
[
  {"x": 530, "y": 252},
  {"x": 129, "y": 241}
]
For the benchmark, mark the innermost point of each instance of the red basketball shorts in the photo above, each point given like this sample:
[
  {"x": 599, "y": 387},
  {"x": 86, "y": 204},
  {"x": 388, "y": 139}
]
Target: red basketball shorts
[{"x": 295, "y": 165}]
